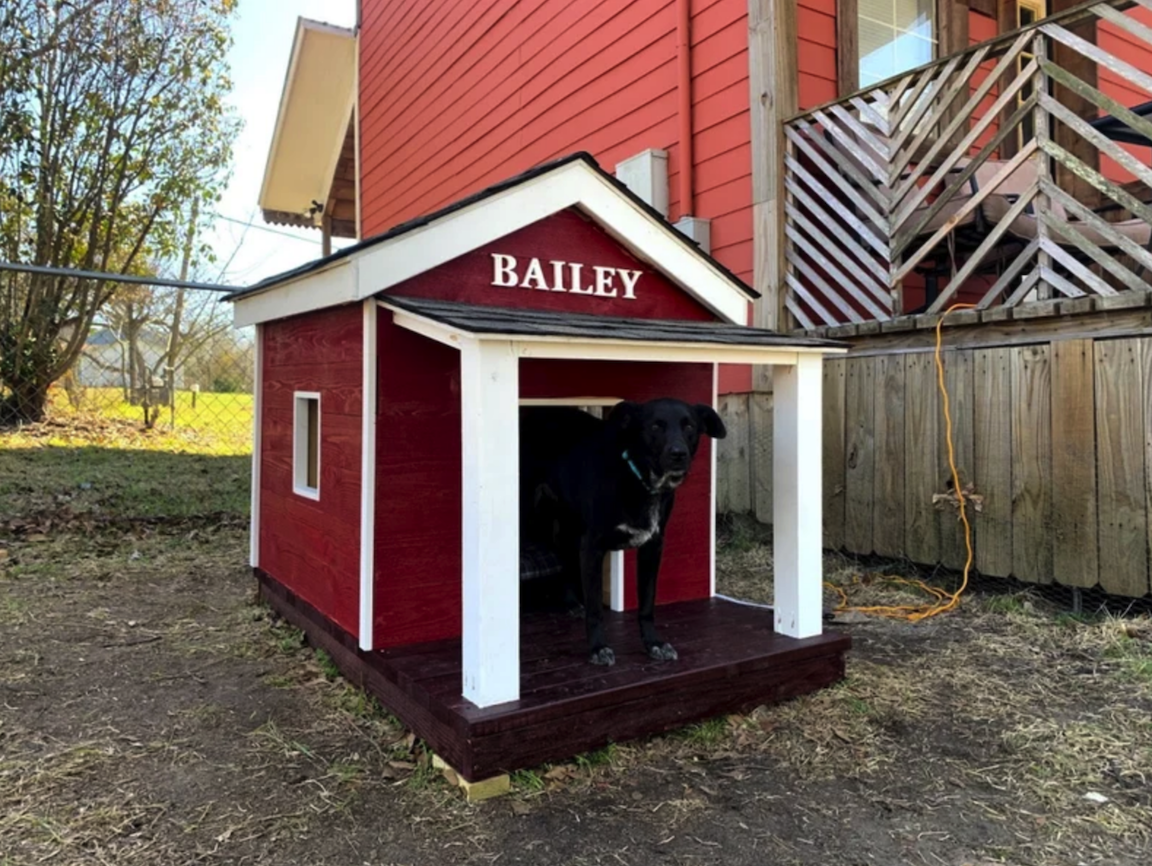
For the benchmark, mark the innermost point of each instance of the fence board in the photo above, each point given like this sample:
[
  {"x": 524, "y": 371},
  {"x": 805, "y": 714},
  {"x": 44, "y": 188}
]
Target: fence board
[
  {"x": 922, "y": 536},
  {"x": 859, "y": 402},
  {"x": 733, "y": 464},
  {"x": 888, "y": 511},
  {"x": 833, "y": 441},
  {"x": 958, "y": 377},
  {"x": 992, "y": 457},
  {"x": 1123, "y": 507},
  {"x": 1075, "y": 561},
  {"x": 761, "y": 441},
  {"x": 1031, "y": 413}
]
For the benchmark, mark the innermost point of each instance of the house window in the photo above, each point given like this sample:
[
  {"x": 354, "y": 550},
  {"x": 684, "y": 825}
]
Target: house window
[
  {"x": 894, "y": 36},
  {"x": 306, "y": 445}
]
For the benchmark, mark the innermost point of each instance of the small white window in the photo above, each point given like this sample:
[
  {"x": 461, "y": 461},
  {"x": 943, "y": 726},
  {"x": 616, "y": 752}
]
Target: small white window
[{"x": 306, "y": 445}]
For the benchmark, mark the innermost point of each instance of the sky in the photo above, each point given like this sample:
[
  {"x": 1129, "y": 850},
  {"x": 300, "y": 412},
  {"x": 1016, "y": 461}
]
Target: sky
[{"x": 263, "y": 31}]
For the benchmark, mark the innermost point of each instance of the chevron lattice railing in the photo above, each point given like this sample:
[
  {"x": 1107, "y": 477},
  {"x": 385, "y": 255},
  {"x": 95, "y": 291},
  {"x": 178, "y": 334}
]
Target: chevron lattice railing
[{"x": 995, "y": 176}]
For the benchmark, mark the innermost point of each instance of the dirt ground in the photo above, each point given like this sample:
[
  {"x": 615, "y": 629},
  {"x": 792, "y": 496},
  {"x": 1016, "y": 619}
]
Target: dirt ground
[{"x": 151, "y": 713}]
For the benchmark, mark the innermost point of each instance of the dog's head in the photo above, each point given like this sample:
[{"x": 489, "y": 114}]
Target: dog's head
[{"x": 661, "y": 436}]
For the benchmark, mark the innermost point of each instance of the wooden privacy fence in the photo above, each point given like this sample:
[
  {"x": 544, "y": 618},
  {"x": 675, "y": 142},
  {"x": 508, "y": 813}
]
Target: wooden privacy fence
[
  {"x": 992, "y": 176},
  {"x": 1054, "y": 439}
]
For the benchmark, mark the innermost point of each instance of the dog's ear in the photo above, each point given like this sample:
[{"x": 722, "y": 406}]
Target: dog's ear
[
  {"x": 709, "y": 422},
  {"x": 624, "y": 417}
]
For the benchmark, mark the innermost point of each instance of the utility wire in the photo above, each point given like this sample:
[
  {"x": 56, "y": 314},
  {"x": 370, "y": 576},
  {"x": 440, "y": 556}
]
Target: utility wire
[{"x": 115, "y": 278}]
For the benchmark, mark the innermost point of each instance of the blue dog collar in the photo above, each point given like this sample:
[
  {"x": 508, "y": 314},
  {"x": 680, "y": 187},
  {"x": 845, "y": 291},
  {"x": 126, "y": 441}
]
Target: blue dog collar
[{"x": 636, "y": 472}]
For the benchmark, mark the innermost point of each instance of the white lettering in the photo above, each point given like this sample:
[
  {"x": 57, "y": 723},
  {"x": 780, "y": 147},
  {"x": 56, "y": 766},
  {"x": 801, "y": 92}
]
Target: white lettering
[
  {"x": 604, "y": 281},
  {"x": 534, "y": 274},
  {"x": 503, "y": 270},
  {"x": 558, "y": 276},
  {"x": 576, "y": 289},
  {"x": 630, "y": 279}
]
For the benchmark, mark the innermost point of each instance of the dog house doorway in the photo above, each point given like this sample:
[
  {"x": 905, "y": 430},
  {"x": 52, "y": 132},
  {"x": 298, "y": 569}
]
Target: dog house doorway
[{"x": 536, "y": 565}]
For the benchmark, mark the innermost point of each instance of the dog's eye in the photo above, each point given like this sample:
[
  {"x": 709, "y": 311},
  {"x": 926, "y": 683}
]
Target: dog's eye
[
  {"x": 657, "y": 426},
  {"x": 688, "y": 427}
]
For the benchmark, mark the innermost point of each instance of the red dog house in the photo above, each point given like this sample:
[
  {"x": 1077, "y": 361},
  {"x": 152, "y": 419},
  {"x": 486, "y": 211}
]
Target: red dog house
[{"x": 384, "y": 494}]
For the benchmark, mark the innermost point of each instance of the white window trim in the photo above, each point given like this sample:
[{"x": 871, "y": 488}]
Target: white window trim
[{"x": 298, "y": 420}]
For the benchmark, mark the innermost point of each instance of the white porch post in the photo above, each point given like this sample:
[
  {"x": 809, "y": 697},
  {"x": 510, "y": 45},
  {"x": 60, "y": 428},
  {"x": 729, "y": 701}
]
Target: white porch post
[
  {"x": 489, "y": 395},
  {"x": 796, "y": 519}
]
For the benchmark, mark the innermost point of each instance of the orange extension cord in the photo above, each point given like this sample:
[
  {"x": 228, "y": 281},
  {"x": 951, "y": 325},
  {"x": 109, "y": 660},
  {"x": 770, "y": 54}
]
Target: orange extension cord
[{"x": 942, "y": 601}]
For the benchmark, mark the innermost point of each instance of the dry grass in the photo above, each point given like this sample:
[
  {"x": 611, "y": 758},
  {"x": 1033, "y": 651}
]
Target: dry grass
[{"x": 969, "y": 738}]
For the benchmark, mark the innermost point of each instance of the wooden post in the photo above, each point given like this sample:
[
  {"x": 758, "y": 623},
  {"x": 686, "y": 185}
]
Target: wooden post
[
  {"x": 368, "y": 477},
  {"x": 796, "y": 524},
  {"x": 774, "y": 83},
  {"x": 489, "y": 394},
  {"x": 257, "y": 453}
]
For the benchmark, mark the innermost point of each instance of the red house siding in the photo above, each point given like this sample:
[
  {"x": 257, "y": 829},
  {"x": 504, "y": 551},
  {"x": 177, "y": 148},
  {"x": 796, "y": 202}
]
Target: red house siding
[
  {"x": 454, "y": 98},
  {"x": 313, "y": 547}
]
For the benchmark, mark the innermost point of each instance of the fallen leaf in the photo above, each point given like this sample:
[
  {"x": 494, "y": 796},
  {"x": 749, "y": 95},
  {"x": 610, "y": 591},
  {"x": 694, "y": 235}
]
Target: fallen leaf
[
  {"x": 401, "y": 765},
  {"x": 3, "y": 554},
  {"x": 519, "y": 807},
  {"x": 557, "y": 773},
  {"x": 36, "y": 538},
  {"x": 450, "y": 776}
]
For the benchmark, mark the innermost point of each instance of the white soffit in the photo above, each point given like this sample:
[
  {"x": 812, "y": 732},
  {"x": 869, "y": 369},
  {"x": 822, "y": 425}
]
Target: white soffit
[
  {"x": 391, "y": 261},
  {"x": 315, "y": 108}
]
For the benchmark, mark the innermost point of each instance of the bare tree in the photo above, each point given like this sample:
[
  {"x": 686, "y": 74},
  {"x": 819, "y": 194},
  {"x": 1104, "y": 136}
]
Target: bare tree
[{"x": 113, "y": 121}]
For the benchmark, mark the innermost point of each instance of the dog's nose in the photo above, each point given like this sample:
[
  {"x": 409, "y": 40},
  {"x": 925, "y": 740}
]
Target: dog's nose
[{"x": 678, "y": 454}]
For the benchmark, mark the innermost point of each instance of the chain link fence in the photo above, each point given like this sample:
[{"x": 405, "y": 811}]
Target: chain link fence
[{"x": 161, "y": 363}]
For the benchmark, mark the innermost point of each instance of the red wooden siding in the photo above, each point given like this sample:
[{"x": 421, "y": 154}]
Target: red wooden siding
[
  {"x": 418, "y": 477},
  {"x": 816, "y": 52},
  {"x": 1119, "y": 44},
  {"x": 567, "y": 237},
  {"x": 313, "y": 547},
  {"x": 454, "y": 98}
]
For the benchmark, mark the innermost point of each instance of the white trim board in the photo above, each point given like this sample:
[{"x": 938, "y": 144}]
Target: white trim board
[
  {"x": 368, "y": 479},
  {"x": 573, "y": 184},
  {"x": 257, "y": 451}
]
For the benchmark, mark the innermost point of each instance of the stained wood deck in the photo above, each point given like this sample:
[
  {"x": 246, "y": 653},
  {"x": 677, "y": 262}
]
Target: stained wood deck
[{"x": 730, "y": 661}]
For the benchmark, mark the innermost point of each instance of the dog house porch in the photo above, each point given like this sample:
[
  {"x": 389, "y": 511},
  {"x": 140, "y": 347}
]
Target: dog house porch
[{"x": 731, "y": 660}]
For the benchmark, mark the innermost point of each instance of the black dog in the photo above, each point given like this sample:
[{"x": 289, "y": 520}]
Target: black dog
[{"x": 595, "y": 486}]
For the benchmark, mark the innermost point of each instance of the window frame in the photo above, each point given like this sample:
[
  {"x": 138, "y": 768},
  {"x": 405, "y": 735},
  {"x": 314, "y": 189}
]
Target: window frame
[
  {"x": 949, "y": 33},
  {"x": 300, "y": 443}
]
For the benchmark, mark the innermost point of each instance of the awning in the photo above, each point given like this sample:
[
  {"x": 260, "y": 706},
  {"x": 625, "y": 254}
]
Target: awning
[
  {"x": 544, "y": 334},
  {"x": 313, "y": 130}
]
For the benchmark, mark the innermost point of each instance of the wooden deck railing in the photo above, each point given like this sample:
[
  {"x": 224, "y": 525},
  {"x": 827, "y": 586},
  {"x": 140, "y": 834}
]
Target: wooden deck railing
[{"x": 995, "y": 176}]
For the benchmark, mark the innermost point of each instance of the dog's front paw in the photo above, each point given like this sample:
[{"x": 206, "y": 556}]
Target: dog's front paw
[
  {"x": 576, "y": 610},
  {"x": 603, "y": 656},
  {"x": 662, "y": 652}
]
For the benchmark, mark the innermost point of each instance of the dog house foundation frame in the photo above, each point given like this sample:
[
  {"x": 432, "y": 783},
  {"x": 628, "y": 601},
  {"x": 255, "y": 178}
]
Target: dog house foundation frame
[{"x": 650, "y": 301}]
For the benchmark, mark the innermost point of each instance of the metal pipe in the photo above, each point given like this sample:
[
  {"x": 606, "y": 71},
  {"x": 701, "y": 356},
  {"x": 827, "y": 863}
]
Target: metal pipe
[
  {"x": 684, "y": 88},
  {"x": 49, "y": 271}
]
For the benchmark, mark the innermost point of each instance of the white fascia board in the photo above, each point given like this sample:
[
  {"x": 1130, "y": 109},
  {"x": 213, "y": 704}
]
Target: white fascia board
[
  {"x": 330, "y": 287},
  {"x": 392, "y": 262}
]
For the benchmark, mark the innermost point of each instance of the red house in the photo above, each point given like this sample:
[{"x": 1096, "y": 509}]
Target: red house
[
  {"x": 863, "y": 165},
  {"x": 385, "y": 477}
]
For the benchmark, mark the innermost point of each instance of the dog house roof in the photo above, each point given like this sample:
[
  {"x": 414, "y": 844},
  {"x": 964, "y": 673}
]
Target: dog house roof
[
  {"x": 377, "y": 264},
  {"x": 482, "y": 320}
]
